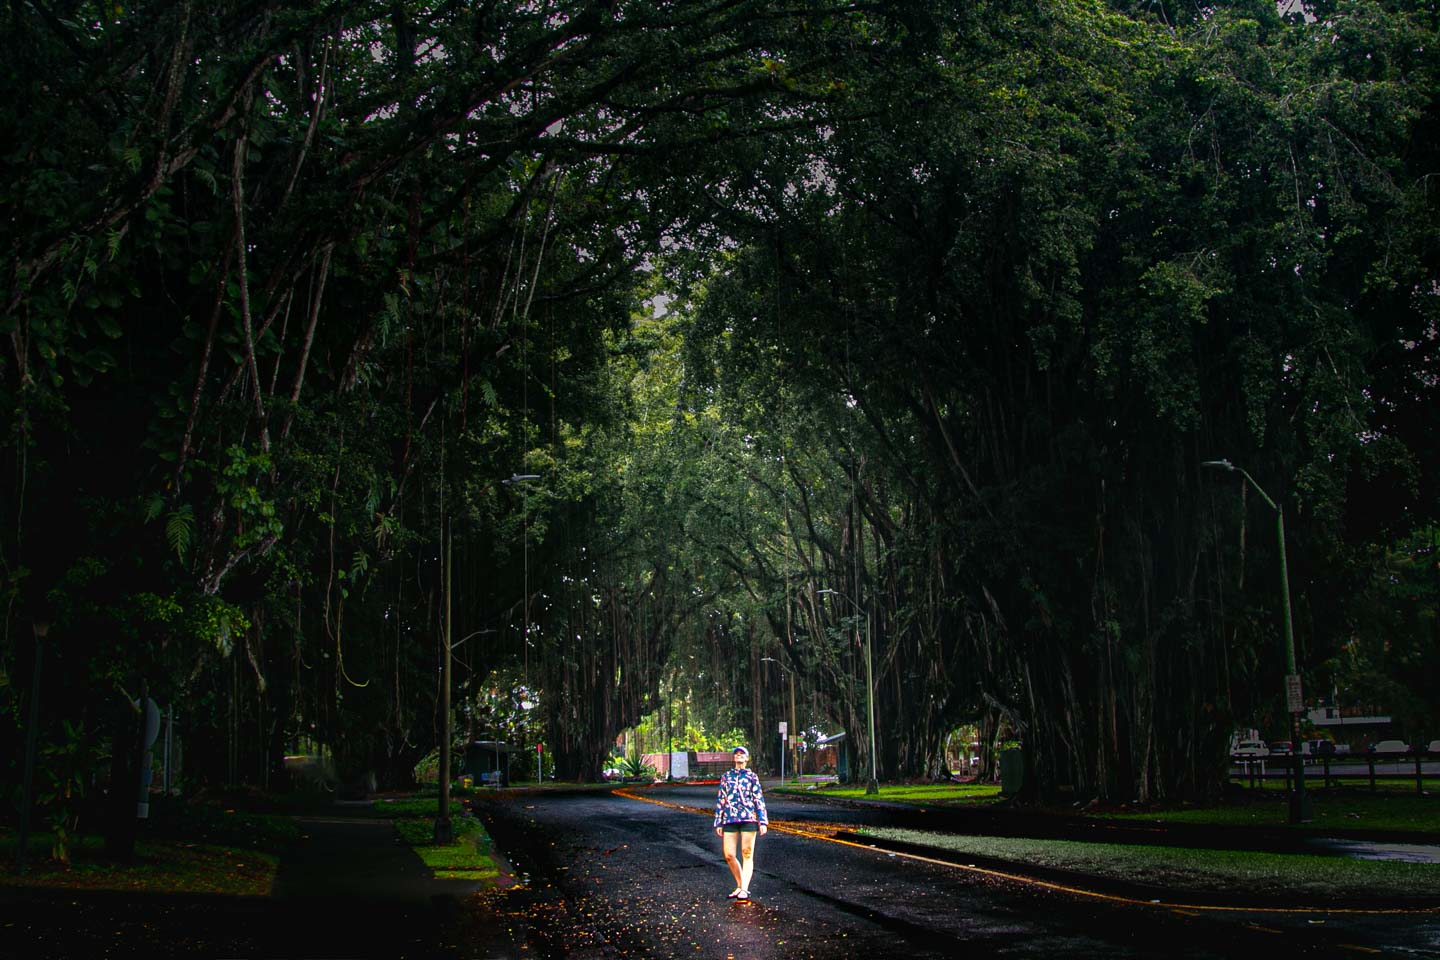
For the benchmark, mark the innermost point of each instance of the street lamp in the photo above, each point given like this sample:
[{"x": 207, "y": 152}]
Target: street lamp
[
  {"x": 32, "y": 728},
  {"x": 873, "y": 786},
  {"x": 469, "y": 706},
  {"x": 1295, "y": 701},
  {"x": 786, "y": 743},
  {"x": 444, "y": 829}
]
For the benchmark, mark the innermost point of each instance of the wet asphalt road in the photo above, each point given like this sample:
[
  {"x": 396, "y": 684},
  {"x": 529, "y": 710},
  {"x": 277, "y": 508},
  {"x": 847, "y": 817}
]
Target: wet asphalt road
[{"x": 607, "y": 876}]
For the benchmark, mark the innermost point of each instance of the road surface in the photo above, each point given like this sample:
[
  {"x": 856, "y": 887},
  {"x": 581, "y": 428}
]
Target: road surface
[{"x": 607, "y": 876}]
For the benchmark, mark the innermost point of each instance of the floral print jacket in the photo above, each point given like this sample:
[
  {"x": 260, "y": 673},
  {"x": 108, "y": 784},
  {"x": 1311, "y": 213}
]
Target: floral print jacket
[{"x": 741, "y": 800}]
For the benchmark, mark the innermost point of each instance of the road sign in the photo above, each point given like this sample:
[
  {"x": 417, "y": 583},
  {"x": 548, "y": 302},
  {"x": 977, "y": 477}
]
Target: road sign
[
  {"x": 1294, "y": 700},
  {"x": 784, "y": 730}
]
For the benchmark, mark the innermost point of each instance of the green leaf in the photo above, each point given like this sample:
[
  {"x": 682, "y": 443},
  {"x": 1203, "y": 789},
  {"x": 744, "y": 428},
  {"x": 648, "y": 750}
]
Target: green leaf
[
  {"x": 178, "y": 530},
  {"x": 153, "y": 506}
]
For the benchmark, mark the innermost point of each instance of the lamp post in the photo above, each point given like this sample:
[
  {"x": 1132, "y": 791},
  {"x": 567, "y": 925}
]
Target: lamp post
[
  {"x": 785, "y": 732},
  {"x": 1294, "y": 699},
  {"x": 873, "y": 787},
  {"x": 32, "y": 730},
  {"x": 444, "y": 830},
  {"x": 469, "y": 706}
]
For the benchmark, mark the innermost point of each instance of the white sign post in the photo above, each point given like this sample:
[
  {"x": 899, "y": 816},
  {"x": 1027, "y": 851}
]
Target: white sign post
[
  {"x": 149, "y": 731},
  {"x": 1294, "y": 700},
  {"x": 784, "y": 727},
  {"x": 679, "y": 764}
]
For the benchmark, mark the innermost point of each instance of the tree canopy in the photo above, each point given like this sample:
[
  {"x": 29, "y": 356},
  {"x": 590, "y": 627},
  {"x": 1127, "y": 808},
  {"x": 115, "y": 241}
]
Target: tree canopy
[{"x": 832, "y": 335}]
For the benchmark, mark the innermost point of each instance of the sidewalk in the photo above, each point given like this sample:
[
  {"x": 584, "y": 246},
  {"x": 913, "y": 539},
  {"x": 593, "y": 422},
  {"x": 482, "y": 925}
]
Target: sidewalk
[{"x": 347, "y": 889}]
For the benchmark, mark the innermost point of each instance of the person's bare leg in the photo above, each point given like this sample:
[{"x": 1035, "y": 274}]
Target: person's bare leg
[
  {"x": 730, "y": 859},
  {"x": 747, "y": 860}
]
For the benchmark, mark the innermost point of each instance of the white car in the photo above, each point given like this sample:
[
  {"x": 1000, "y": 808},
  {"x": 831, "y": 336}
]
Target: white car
[
  {"x": 1390, "y": 746},
  {"x": 1251, "y": 748}
]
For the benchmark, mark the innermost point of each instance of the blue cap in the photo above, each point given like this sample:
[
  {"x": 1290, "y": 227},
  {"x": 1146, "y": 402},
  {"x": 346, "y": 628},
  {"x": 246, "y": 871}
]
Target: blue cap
[{"x": 740, "y": 751}]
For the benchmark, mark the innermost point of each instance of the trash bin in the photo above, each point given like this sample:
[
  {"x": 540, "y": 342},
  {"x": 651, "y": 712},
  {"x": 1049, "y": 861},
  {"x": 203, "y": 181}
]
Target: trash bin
[{"x": 1012, "y": 771}]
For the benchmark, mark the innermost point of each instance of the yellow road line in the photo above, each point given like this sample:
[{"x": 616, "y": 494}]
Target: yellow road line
[{"x": 812, "y": 834}]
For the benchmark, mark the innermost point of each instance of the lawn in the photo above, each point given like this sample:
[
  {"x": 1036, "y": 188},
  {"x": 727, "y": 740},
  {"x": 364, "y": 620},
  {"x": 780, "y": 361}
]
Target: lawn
[
  {"x": 161, "y": 866},
  {"x": 467, "y": 858},
  {"x": 222, "y": 823},
  {"x": 920, "y": 794},
  {"x": 1316, "y": 781},
  {"x": 216, "y": 848},
  {"x": 414, "y": 807},
  {"x": 1392, "y": 806},
  {"x": 186, "y": 848},
  {"x": 1333, "y": 809},
  {"x": 1229, "y": 871}
]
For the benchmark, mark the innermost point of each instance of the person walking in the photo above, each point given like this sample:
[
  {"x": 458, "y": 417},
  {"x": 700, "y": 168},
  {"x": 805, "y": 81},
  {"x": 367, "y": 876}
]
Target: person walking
[{"x": 740, "y": 817}]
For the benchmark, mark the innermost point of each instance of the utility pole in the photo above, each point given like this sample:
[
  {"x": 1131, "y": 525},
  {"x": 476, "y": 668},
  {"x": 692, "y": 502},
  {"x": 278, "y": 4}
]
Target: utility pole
[
  {"x": 32, "y": 732},
  {"x": 1294, "y": 697},
  {"x": 444, "y": 829}
]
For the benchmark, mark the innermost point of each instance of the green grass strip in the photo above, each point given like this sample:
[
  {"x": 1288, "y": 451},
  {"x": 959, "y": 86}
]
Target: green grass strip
[
  {"x": 1331, "y": 811},
  {"x": 938, "y": 794},
  {"x": 1315, "y": 781},
  {"x": 1353, "y": 807},
  {"x": 1180, "y": 868},
  {"x": 415, "y": 807},
  {"x": 463, "y": 859}
]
